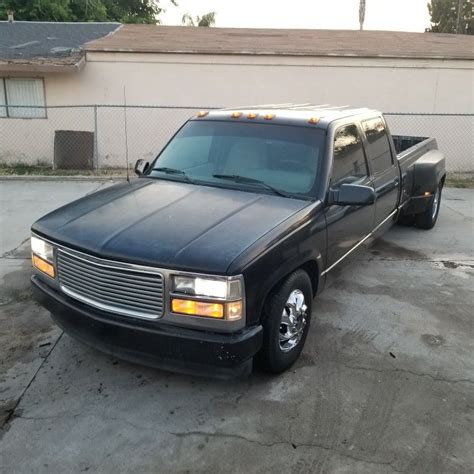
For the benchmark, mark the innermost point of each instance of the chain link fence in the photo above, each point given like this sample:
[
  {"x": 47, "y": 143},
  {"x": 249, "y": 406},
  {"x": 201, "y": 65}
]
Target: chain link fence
[
  {"x": 453, "y": 132},
  {"x": 92, "y": 140}
]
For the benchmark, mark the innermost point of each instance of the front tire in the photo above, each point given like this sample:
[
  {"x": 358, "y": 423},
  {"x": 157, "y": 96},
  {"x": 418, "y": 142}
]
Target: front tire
[
  {"x": 286, "y": 321},
  {"x": 427, "y": 219}
]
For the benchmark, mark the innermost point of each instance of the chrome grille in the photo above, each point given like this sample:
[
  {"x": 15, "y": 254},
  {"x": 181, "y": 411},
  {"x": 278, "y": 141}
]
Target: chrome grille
[{"x": 121, "y": 288}]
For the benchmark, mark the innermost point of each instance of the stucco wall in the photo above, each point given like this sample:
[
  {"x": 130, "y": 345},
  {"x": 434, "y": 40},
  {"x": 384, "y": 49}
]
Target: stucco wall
[
  {"x": 398, "y": 85},
  {"x": 391, "y": 85}
]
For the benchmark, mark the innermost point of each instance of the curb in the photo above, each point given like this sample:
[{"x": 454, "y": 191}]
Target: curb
[{"x": 61, "y": 178}]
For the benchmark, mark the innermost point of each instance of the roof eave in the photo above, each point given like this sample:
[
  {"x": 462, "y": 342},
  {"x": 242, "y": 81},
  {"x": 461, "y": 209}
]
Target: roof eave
[
  {"x": 37, "y": 66},
  {"x": 273, "y": 53}
]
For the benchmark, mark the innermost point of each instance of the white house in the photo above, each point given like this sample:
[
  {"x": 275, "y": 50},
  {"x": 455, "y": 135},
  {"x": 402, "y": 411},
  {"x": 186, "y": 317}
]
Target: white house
[{"x": 421, "y": 73}]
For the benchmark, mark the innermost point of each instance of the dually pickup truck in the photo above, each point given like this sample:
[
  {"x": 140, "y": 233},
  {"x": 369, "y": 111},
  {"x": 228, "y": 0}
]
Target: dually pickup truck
[{"x": 211, "y": 258}]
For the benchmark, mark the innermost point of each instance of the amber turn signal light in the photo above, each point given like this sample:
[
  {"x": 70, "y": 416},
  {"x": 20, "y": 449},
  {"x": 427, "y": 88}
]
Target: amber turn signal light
[
  {"x": 43, "y": 266},
  {"x": 197, "y": 308},
  {"x": 234, "y": 310}
]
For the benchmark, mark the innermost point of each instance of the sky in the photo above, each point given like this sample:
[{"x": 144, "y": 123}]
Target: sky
[{"x": 396, "y": 15}]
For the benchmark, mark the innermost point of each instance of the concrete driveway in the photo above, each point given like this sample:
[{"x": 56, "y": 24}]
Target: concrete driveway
[{"x": 385, "y": 383}]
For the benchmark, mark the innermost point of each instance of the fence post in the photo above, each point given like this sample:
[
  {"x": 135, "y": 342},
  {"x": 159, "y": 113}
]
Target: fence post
[{"x": 96, "y": 142}]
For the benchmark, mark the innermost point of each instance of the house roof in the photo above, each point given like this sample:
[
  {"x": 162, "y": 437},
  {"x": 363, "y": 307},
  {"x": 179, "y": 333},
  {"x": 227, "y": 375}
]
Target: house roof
[
  {"x": 250, "y": 41},
  {"x": 47, "y": 46}
]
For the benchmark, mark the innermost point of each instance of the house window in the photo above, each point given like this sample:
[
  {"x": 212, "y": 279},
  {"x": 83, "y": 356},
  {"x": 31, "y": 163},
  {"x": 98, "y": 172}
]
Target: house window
[
  {"x": 3, "y": 100},
  {"x": 24, "y": 92}
]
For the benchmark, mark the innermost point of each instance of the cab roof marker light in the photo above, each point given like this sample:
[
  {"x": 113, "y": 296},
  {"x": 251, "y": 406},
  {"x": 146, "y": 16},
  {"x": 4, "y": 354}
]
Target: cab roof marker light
[
  {"x": 314, "y": 120},
  {"x": 269, "y": 116},
  {"x": 236, "y": 115},
  {"x": 252, "y": 115},
  {"x": 202, "y": 113}
]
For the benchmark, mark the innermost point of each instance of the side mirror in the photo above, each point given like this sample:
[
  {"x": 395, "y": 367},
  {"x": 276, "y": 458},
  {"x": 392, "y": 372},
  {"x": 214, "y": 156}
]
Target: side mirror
[
  {"x": 141, "y": 166},
  {"x": 352, "y": 195}
]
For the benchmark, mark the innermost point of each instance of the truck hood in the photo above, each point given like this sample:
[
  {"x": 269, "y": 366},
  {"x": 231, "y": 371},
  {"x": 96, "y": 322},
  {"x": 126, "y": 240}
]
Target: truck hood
[{"x": 167, "y": 224}]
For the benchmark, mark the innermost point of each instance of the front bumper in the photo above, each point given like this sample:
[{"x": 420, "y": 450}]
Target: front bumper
[{"x": 151, "y": 343}]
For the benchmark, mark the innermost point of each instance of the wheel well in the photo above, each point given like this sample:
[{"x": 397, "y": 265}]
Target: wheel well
[{"x": 311, "y": 268}]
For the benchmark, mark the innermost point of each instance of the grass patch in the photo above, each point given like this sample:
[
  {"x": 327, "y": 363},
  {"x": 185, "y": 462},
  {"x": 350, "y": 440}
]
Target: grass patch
[{"x": 460, "y": 180}]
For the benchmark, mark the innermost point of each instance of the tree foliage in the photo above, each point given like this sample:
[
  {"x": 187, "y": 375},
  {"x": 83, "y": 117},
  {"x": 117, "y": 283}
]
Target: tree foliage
[
  {"x": 208, "y": 19},
  {"x": 125, "y": 11},
  {"x": 444, "y": 16}
]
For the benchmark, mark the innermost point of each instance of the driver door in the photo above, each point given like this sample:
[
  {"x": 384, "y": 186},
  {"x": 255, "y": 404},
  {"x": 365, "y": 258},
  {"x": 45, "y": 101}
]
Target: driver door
[{"x": 348, "y": 225}]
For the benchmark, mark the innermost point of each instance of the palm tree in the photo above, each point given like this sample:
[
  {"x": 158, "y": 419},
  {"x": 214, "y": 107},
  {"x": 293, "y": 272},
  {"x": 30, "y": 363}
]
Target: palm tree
[
  {"x": 208, "y": 19},
  {"x": 458, "y": 20},
  {"x": 362, "y": 14}
]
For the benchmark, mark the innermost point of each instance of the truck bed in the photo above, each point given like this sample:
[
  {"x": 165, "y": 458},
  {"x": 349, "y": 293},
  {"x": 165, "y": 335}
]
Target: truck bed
[
  {"x": 404, "y": 142},
  {"x": 422, "y": 165}
]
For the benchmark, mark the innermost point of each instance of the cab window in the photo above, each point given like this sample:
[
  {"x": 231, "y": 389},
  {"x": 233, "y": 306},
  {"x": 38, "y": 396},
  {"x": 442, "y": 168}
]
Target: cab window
[
  {"x": 284, "y": 157},
  {"x": 378, "y": 147},
  {"x": 350, "y": 164}
]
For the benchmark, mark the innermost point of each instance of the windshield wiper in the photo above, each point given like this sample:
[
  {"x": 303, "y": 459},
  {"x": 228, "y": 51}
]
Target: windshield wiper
[
  {"x": 175, "y": 171},
  {"x": 244, "y": 179}
]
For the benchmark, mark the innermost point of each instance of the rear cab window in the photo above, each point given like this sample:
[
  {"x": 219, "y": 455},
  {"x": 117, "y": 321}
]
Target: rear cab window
[
  {"x": 350, "y": 164},
  {"x": 378, "y": 145}
]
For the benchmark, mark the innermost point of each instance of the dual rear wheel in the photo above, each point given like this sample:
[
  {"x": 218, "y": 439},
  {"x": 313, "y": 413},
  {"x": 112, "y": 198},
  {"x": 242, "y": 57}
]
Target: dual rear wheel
[{"x": 427, "y": 219}]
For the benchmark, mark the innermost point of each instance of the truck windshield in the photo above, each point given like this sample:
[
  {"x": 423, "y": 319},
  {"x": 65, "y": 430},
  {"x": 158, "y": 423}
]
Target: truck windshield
[{"x": 282, "y": 159}]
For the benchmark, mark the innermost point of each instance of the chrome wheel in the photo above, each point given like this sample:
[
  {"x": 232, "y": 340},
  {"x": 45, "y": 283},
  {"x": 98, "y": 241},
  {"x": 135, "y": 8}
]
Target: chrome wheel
[
  {"x": 435, "y": 204},
  {"x": 293, "y": 321}
]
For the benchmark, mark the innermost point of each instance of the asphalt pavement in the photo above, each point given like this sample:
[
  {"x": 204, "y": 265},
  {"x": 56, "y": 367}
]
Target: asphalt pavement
[{"x": 385, "y": 383}]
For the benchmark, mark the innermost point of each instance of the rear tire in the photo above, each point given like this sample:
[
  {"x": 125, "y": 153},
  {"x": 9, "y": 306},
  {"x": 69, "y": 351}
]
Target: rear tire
[
  {"x": 427, "y": 219},
  {"x": 286, "y": 321}
]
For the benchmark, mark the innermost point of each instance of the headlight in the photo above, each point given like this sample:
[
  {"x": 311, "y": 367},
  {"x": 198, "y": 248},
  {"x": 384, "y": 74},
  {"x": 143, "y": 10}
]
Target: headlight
[
  {"x": 208, "y": 287},
  {"x": 43, "y": 256},
  {"x": 223, "y": 297},
  {"x": 42, "y": 248}
]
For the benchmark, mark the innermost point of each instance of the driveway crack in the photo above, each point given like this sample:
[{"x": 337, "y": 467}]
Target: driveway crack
[
  {"x": 405, "y": 371},
  {"x": 12, "y": 415},
  {"x": 11, "y": 253},
  {"x": 264, "y": 444}
]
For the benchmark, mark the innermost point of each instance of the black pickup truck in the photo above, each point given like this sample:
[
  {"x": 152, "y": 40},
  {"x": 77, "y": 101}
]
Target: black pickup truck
[{"x": 213, "y": 256}]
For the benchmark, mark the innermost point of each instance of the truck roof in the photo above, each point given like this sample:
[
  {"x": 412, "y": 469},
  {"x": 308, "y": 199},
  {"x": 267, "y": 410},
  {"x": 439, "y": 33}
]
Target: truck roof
[{"x": 319, "y": 115}]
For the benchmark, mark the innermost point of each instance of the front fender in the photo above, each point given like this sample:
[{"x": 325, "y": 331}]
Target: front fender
[{"x": 302, "y": 246}]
